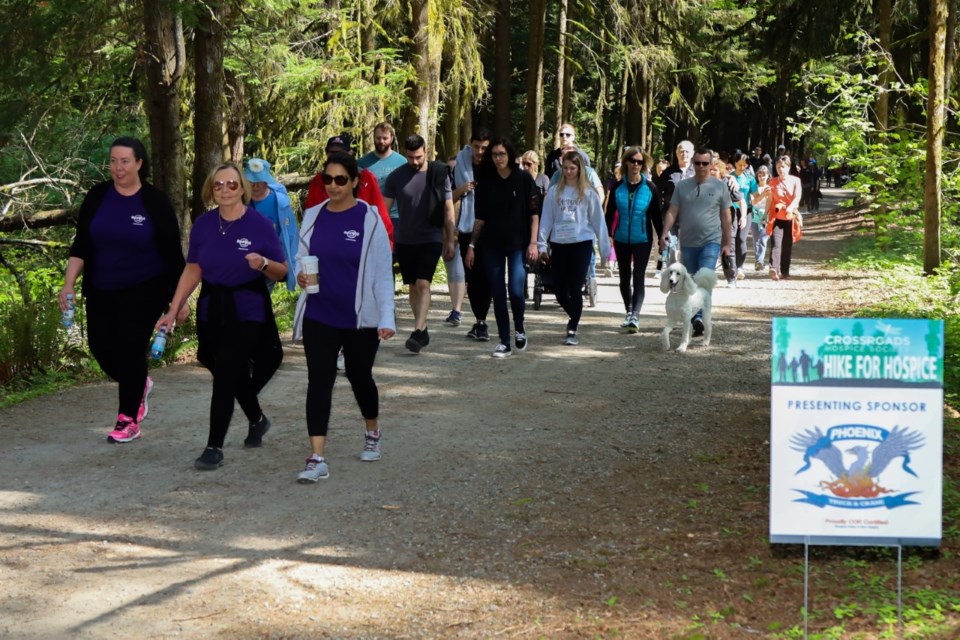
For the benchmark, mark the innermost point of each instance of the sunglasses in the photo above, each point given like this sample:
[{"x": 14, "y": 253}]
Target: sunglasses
[
  {"x": 566, "y": 134},
  {"x": 232, "y": 185},
  {"x": 635, "y": 161},
  {"x": 529, "y": 164},
  {"x": 341, "y": 180},
  {"x": 701, "y": 163}
]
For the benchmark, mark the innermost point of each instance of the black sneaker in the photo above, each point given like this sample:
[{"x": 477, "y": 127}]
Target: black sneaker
[
  {"x": 256, "y": 432},
  {"x": 483, "y": 334},
  {"x": 424, "y": 338},
  {"x": 210, "y": 459},
  {"x": 473, "y": 330},
  {"x": 521, "y": 341},
  {"x": 413, "y": 342},
  {"x": 697, "y": 327}
]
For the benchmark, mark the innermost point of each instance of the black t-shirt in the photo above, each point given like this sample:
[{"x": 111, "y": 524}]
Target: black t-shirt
[{"x": 505, "y": 205}]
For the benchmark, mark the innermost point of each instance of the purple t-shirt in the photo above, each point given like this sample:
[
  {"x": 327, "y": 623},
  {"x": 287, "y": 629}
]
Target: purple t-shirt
[
  {"x": 337, "y": 240},
  {"x": 222, "y": 256},
  {"x": 123, "y": 243}
]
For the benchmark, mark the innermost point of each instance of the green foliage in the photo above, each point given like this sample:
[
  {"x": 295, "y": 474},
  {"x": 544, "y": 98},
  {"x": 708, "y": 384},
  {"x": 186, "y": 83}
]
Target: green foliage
[{"x": 33, "y": 342}]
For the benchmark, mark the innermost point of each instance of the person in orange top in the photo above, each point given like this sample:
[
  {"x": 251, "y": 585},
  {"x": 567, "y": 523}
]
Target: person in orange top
[
  {"x": 368, "y": 189},
  {"x": 783, "y": 203}
]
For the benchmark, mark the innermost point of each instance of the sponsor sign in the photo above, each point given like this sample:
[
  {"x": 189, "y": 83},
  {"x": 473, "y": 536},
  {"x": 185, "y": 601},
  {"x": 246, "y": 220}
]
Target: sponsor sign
[{"x": 856, "y": 431}]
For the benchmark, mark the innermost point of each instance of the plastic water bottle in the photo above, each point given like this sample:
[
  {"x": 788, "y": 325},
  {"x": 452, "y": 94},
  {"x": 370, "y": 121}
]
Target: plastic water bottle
[
  {"x": 159, "y": 344},
  {"x": 67, "y": 318}
]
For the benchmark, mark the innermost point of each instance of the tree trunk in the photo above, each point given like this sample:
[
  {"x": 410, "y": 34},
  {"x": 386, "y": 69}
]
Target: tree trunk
[
  {"x": 236, "y": 117},
  {"x": 561, "y": 65},
  {"x": 501, "y": 82},
  {"x": 209, "y": 92},
  {"x": 935, "y": 118},
  {"x": 425, "y": 88},
  {"x": 884, "y": 28},
  {"x": 534, "y": 115},
  {"x": 165, "y": 59},
  {"x": 950, "y": 55}
]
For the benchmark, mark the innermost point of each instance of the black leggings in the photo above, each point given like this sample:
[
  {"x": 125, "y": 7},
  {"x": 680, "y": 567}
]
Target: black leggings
[
  {"x": 570, "y": 265},
  {"x": 782, "y": 251},
  {"x": 321, "y": 344},
  {"x": 632, "y": 260},
  {"x": 479, "y": 291},
  {"x": 119, "y": 327},
  {"x": 242, "y": 358}
]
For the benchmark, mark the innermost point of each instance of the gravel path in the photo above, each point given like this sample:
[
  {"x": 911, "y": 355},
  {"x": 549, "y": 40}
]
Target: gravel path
[{"x": 564, "y": 492}]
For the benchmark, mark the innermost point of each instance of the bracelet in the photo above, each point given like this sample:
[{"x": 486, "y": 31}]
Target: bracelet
[
  {"x": 472, "y": 246},
  {"x": 263, "y": 267}
]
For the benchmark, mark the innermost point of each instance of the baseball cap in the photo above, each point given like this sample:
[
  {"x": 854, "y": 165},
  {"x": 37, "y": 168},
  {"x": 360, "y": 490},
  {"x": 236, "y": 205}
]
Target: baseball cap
[{"x": 342, "y": 141}]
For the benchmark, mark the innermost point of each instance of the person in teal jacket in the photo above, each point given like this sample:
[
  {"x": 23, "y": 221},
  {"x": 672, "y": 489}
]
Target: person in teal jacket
[
  {"x": 633, "y": 221},
  {"x": 270, "y": 199}
]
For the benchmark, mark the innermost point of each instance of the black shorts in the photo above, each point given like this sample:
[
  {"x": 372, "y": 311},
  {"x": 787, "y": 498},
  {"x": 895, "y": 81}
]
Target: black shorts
[{"x": 418, "y": 261}]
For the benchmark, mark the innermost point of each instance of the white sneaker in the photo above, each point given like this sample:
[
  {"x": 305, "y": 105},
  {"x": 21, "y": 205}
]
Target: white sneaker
[
  {"x": 316, "y": 469},
  {"x": 340, "y": 364}
]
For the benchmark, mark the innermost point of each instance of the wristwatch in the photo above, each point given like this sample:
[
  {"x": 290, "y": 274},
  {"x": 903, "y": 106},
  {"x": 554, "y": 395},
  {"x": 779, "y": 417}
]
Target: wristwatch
[
  {"x": 266, "y": 263},
  {"x": 472, "y": 246}
]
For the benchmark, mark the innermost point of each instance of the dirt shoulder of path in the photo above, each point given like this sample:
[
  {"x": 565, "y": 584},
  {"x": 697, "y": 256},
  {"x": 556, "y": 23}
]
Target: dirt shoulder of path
[{"x": 607, "y": 490}]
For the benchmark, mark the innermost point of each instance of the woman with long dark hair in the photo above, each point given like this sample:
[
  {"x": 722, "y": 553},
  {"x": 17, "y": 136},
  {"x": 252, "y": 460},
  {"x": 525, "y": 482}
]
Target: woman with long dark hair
[
  {"x": 352, "y": 308},
  {"x": 507, "y": 218},
  {"x": 128, "y": 249}
]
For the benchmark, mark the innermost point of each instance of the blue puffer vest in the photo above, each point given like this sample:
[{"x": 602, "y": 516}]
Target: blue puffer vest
[{"x": 632, "y": 221}]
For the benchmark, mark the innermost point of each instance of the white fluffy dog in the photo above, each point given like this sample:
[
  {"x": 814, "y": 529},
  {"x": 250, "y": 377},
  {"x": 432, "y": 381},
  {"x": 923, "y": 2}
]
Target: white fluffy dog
[{"x": 686, "y": 294}]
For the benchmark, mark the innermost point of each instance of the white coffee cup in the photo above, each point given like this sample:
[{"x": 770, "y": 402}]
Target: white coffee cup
[{"x": 310, "y": 267}]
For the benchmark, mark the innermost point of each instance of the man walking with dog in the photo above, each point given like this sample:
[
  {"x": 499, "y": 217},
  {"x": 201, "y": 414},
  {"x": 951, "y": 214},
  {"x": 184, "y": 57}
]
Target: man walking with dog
[{"x": 701, "y": 205}]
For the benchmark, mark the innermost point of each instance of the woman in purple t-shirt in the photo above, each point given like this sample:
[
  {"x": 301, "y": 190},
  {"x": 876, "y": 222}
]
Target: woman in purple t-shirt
[
  {"x": 232, "y": 249},
  {"x": 352, "y": 310},
  {"x": 128, "y": 249}
]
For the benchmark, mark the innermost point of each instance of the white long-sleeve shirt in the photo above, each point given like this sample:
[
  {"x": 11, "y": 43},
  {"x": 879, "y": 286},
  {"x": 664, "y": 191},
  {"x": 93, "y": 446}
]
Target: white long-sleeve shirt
[{"x": 573, "y": 219}]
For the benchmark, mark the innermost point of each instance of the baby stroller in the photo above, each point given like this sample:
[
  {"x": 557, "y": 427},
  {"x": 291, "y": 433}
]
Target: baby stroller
[{"x": 543, "y": 282}]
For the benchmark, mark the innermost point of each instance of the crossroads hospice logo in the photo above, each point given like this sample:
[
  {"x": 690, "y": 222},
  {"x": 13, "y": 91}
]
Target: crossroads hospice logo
[{"x": 847, "y": 461}]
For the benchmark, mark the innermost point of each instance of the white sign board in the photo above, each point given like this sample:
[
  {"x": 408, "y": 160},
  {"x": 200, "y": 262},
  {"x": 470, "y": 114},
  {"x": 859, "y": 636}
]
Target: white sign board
[{"x": 856, "y": 431}]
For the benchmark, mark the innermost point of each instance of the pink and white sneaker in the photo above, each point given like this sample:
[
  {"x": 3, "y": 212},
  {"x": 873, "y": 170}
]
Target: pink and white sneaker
[
  {"x": 127, "y": 430},
  {"x": 144, "y": 408}
]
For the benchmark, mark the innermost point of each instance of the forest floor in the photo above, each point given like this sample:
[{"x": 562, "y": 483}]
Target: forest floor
[{"x": 606, "y": 490}]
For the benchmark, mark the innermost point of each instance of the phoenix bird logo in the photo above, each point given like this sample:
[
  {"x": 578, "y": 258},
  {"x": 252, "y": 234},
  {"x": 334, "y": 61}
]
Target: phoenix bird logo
[{"x": 861, "y": 478}]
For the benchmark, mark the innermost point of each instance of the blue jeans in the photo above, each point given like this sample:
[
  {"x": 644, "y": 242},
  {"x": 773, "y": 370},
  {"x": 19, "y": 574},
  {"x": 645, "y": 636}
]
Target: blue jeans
[
  {"x": 696, "y": 258},
  {"x": 494, "y": 259}
]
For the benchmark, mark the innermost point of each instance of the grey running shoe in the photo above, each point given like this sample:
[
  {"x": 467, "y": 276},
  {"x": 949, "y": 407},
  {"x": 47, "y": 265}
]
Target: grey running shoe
[
  {"x": 371, "y": 447},
  {"x": 502, "y": 351},
  {"x": 633, "y": 325},
  {"x": 210, "y": 459},
  {"x": 626, "y": 320},
  {"x": 572, "y": 339},
  {"x": 521, "y": 341},
  {"x": 316, "y": 469},
  {"x": 341, "y": 363}
]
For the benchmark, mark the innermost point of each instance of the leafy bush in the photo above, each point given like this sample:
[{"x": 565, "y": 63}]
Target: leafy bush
[{"x": 33, "y": 341}]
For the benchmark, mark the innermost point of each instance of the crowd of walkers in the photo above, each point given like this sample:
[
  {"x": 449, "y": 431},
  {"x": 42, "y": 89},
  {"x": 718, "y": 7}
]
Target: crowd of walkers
[{"x": 491, "y": 214}]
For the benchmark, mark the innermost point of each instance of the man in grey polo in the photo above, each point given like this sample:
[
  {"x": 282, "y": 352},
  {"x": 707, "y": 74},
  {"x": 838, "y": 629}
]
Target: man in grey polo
[{"x": 701, "y": 205}]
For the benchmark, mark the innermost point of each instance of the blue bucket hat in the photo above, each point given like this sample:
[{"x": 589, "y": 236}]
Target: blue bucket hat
[{"x": 258, "y": 170}]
